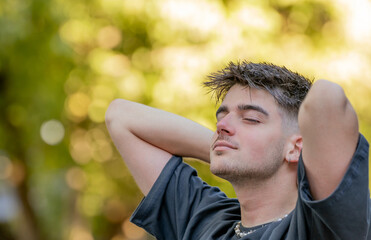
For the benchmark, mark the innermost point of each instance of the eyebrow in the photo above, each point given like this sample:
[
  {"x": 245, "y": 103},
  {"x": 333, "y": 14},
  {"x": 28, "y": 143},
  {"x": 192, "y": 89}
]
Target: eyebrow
[
  {"x": 243, "y": 107},
  {"x": 221, "y": 109}
]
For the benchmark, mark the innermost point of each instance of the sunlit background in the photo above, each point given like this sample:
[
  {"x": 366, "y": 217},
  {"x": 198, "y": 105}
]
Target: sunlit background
[{"x": 63, "y": 61}]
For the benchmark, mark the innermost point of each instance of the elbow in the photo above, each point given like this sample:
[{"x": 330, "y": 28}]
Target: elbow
[
  {"x": 324, "y": 98},
  {"x": 326, "y": 103},
  {"x": 114, "y": 113}
]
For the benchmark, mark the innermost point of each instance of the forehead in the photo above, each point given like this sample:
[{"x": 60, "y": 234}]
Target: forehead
[{"x": 244, "y": 95}]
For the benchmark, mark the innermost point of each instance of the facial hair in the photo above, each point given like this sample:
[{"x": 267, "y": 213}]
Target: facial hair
[{"x": 244, "y": 169}]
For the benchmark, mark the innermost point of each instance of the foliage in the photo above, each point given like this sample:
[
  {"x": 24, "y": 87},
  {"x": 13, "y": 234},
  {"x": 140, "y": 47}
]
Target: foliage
[{"x": 63, "y": 62}]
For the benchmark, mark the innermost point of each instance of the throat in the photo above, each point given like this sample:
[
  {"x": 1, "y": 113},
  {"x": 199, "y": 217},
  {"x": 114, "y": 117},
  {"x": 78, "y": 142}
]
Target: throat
[{"x": 267, "y": 200}]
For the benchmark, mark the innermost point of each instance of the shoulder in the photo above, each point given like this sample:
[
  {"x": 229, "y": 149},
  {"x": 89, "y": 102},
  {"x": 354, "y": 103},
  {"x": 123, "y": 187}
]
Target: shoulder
[
  {"x": 185, "y": 204},
  {"x": 348, "y": 205}
]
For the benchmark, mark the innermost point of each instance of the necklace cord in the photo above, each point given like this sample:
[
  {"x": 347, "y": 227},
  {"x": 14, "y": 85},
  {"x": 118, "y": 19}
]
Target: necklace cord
[{"x": 240, "y": 233}]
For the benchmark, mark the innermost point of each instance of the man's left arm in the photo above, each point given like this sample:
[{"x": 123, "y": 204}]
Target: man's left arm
[{"x": 329, "y": 126}]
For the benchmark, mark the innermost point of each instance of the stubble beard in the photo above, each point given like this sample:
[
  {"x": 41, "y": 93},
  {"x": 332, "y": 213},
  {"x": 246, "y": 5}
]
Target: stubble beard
[{"x": 233, "y": 171}]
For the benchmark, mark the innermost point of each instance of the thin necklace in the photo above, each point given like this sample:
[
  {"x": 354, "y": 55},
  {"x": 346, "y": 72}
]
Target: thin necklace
[{"x": 240, "y": 234}]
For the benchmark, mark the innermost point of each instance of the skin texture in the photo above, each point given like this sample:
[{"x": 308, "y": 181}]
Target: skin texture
[{"x": 248, "y": 143}]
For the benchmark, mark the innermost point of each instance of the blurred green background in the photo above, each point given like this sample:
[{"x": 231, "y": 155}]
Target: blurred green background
[{"x": 63, "y": 61}]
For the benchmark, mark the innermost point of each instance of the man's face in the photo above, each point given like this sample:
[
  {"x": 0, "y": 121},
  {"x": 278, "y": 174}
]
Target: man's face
[{"x": 248, "y": 142}]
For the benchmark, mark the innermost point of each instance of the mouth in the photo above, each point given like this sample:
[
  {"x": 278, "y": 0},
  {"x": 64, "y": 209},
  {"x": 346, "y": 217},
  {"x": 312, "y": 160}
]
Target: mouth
[{"x": 222, "y": 145}]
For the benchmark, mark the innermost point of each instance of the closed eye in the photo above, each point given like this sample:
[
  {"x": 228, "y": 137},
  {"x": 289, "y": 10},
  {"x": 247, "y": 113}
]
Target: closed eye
[{"x": 251, "y": 120}]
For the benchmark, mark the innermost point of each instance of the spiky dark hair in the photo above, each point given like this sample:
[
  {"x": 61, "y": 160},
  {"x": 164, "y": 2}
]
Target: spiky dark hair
[{"x": 288, "y": 88}]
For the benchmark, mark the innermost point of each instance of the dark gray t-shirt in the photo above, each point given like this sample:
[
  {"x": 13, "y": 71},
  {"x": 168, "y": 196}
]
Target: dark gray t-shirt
[{"x": 181, "y": 206}]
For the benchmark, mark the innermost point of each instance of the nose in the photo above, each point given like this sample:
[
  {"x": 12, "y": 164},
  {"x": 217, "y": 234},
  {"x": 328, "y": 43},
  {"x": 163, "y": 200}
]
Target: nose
[{"x": 225, "y": 126}]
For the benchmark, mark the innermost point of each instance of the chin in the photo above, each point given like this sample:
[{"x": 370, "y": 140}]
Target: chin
[
  {"x": 214, "y": 167},
  {"x": 218, "y": 168},
  {"x": 224, "y": 174},
  {"x": 218, "y": 172}
]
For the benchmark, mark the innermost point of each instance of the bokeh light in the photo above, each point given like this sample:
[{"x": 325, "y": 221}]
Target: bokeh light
[
  {"x": 358, "y": 25},
  {"x": 80, "y": 148},
  {"x": 76, "y": 178},
  {"x": 52, "y": 132},
  {"x": 97, "y": 110},
  {"x": 109, "y": 37},
  {"x": 132, "y": 86},
  {"x": 77, "y": 105},
  {"x": 108, "y": 62},
  {"x": 77, "y": 31}
]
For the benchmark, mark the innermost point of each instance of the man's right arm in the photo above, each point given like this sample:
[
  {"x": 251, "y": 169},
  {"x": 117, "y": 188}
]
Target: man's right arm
[{"x": 147, "y": 137}]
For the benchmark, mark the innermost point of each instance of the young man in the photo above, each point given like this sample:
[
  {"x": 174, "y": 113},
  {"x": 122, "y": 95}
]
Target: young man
[{"x": 294, "y": 157}]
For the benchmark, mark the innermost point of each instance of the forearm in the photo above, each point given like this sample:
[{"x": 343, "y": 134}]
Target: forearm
[{"x": 169, "y": 132}]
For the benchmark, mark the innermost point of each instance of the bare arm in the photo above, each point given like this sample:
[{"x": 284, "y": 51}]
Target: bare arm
[
  {"x": 329, "y": 126},
  {"x": 147, "y": 137}
]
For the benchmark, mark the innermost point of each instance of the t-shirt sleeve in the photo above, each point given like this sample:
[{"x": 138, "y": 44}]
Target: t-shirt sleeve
[
  {"x": 345, "y": 214},
  {"x": 180, "y": 204}
]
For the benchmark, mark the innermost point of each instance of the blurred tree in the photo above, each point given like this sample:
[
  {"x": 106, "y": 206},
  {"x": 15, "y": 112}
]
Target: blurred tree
[
  {"x": 32, "y": 77},
  {"x": 63, "y": 62}
]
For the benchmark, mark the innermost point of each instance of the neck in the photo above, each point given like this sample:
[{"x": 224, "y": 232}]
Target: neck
[{"x": 267, "y": 200}]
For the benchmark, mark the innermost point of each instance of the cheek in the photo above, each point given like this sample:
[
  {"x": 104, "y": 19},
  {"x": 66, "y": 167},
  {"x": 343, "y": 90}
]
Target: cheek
[
  {"x": 260, "y": 142},
  {"x": 253, "y": 143}
]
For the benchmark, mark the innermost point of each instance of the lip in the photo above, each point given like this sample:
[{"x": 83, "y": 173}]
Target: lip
[{"x": 223, "y": 145}]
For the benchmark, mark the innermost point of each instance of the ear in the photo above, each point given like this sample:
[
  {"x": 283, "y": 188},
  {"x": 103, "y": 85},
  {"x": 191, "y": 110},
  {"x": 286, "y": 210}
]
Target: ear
[{"x": 293, "y": 148}]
